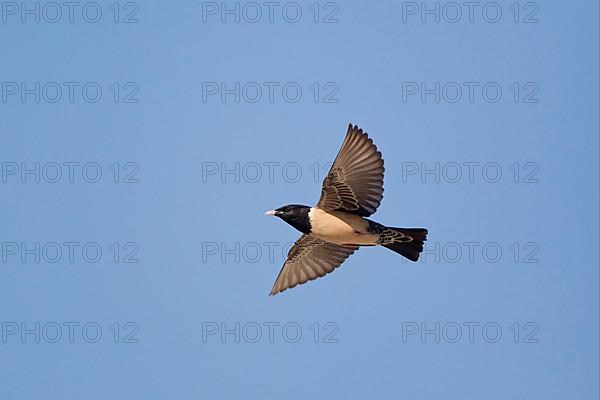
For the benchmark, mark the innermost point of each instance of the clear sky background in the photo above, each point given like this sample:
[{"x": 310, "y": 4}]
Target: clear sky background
[{"x": 516, "y": 317}]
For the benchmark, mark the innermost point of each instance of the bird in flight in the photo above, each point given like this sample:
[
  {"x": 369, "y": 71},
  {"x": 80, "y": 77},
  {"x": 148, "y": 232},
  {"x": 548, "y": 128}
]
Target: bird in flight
[{"x": 336, "y": 227}]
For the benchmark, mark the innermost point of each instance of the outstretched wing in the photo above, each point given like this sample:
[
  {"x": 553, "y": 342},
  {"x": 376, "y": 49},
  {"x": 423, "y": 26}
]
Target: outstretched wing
[
  {"x": 310, "y": 258},
  {"x": 355, "y": 181}
]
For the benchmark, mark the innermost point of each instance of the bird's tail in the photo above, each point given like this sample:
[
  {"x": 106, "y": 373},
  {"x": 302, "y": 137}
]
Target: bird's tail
[{"x": 407, "y": 242}]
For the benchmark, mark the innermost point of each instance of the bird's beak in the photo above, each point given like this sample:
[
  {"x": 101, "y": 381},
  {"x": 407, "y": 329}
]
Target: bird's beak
[{"x": 270, "y": 212}]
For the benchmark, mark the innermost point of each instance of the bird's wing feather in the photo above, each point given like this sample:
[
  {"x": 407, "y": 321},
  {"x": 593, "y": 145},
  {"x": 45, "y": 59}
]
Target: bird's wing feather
[
  {"x": 355, "y": 181},
  {"x": 310, "y": 258}
]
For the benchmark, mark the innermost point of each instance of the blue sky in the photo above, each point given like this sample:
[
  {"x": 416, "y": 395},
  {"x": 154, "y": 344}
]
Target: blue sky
[{"x": 140, "y": 151}]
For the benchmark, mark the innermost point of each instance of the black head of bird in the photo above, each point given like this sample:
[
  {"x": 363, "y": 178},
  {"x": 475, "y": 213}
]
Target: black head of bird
[{"x": 294, "y": 214}]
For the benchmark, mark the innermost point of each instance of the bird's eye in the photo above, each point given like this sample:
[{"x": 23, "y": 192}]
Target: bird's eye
[{"x": 286, "y": 209}]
